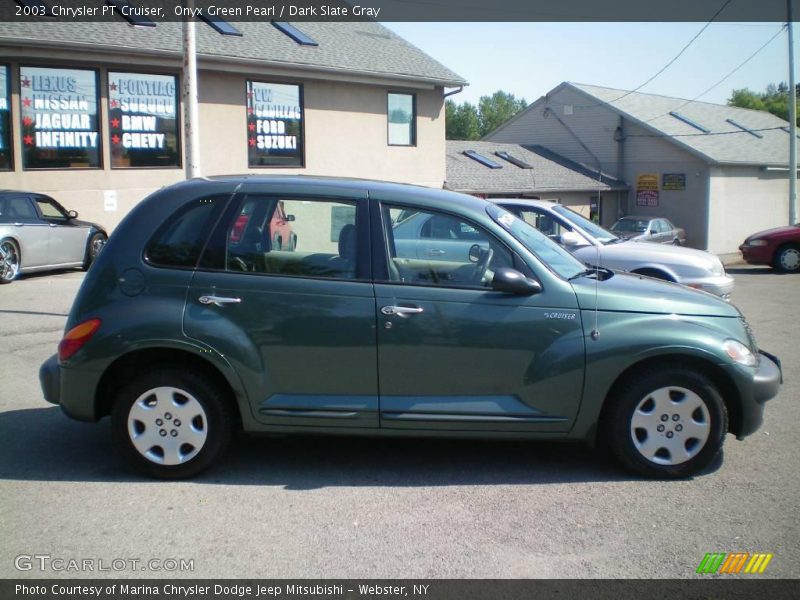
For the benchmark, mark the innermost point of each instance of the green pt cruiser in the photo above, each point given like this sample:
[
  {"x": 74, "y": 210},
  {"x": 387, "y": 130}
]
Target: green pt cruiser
[{"x": 191, "y": 324}]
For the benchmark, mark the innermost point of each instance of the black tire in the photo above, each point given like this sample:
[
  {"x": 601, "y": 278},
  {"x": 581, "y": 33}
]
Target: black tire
[
  {"x": 787, "y": 258},
  {"x": 93, "y": 248},
  {"x": 633, "y": 398},
  {"x": 189, "y": 389},
  {"x": 292, "y": 243},
  {"x": 277, "y": 243},
  {"x": 9, "y": 260}
]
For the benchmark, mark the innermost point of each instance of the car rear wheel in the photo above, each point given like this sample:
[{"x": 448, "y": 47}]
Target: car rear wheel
[
  {"x": 666, "y": 423},
  {"x": 172, "y": 423},
  {"x": 93, "y": 247},
  {"x": 787, "y": 258},
  {"x": 9, "y": 260}
]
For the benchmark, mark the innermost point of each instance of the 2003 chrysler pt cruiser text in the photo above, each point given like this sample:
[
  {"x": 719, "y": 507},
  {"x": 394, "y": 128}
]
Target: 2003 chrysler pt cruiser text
[{"x": 191, "y": 325}]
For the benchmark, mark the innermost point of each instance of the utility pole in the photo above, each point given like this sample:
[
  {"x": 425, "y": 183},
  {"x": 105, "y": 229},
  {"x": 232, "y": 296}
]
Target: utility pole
[
  {"x": 792, "y": 123},
  {"x": 191, "y": 121}
]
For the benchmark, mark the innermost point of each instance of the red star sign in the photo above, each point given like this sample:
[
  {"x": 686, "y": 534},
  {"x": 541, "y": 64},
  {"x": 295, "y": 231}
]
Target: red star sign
[
  {"x": 249, "y": 111},
  {"x": 28, "y": 139},
  {"x": 26, "y": 102},
  {"x": 252, "y": 142},
  {"x": 26, "y": 82},
  {"x": 114, "y": 104},
  {"x": 251, "y": 126},
  {"x": 115, "y": 138},
  {"x": 112, "y": 87},
  {"x": 27, "y": 121},
  {"x": 115, "y": 123}
]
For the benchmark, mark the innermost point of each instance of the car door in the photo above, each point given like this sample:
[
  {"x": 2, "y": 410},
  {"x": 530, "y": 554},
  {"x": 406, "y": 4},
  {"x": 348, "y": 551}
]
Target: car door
[
  {"x": 298, "y": 324},
  {"x": 30, "y": 230},
  {"x": 455, "y": 355},
  {"x": 67, "y": 240}
]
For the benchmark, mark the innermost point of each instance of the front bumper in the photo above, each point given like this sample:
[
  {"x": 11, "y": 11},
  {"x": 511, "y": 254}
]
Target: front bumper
[
  {"x": 756, "y": 255},
  {"x": 766, "y": 385}
]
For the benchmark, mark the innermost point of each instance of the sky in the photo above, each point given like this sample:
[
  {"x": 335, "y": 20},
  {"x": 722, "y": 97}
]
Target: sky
[{"x": 530, "y": 59}]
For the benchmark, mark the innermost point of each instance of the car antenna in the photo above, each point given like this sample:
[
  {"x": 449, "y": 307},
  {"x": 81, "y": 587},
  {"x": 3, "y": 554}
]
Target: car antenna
[{"x": 595, "y": 333}]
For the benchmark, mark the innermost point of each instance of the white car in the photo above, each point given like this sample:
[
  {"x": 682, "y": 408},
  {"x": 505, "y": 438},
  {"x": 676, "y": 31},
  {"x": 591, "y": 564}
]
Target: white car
[{"x": 594, "y": 245}]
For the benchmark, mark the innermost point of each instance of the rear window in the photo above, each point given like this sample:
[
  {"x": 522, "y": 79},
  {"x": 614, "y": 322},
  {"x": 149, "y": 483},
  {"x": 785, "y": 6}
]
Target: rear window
[{"x": 179, "y": 242}]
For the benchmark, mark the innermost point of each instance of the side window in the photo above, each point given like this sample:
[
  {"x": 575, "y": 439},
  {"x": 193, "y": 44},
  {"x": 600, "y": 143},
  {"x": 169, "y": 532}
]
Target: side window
[
  {"x": 49, "y": 210},
  {"x": 438, "y": 249},
  {"x": 544, "y": 223},
  {"x": 301, "y": 238},
  {"x": 180, "y": 240},
  {"x": 20, "y": 209}
]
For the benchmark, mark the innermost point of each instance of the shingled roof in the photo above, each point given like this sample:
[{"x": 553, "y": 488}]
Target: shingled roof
[
  {"x": 723, "y": 142},
  {"x": 363, "y": 48},
  {"x": 549, "y": 172}
]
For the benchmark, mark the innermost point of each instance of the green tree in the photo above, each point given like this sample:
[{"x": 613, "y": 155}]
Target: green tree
[
  {"x": 461, "y": 121},
  {"x": 468, "y": 122},
  {"x": 498, "y": 108},
  {"x": 775, "y": 99}
]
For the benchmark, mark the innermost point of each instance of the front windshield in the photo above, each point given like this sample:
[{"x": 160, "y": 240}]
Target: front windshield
[
  {"x": 550, "y": 253},
  {"x": 630, "y": 226},
  {"x": 593, "y": 229}
]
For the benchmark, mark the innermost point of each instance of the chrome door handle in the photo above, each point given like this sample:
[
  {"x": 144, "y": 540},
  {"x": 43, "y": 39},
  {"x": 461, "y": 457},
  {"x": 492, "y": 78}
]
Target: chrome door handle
[
  {"x": 400, "y": 311},
  {"x": 434, "y": 252},
  {"x": 219, "y": 300}
]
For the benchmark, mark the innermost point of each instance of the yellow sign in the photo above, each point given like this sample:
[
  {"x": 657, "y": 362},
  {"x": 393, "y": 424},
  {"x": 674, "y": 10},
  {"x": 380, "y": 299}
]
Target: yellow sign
[{"x": 647, "y": 181}]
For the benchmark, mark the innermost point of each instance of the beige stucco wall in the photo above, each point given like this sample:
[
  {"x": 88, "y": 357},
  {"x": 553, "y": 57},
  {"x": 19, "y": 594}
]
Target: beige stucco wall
[
  {"x": 742, "y": 201},
  {"x": 345, "y": 135}
]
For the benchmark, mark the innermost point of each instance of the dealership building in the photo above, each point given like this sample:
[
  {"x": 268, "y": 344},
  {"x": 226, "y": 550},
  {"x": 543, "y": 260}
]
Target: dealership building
[{"x": 91, "y": 113}]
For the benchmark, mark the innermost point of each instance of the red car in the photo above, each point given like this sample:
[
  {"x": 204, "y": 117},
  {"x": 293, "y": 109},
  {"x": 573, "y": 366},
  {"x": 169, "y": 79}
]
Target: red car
[
  {"x": 779, "y": 247},
  {"x": 280, "y": 231}
]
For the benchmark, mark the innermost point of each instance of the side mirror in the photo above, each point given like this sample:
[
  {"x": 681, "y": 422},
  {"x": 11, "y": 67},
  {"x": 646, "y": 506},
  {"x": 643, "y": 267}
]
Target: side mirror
[
  {"x": 511, "y": 281},
  {"x": 73, "y": 214},
  {"x": 652, "y": 232},
  {"x": 290, "y": 218},
  {"x": 570, "y": 238}
]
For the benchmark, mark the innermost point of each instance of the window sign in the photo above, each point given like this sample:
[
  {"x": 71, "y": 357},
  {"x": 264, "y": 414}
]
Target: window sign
[
  {"x": 274, "y": 125},
  {"x": 401, "y": 115},
  {"x": 60, "y": 124},
  {"x": 142, "y": 120},
  {"x": 5, "y": 119}
]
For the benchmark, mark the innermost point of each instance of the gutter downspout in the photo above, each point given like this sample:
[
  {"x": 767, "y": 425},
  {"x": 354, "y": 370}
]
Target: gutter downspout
[
  {"x": 454, "y": 92},
  {"x": 619, "y": 137}
]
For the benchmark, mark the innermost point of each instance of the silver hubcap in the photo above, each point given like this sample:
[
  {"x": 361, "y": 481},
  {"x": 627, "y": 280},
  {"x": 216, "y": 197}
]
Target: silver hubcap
[
  {"x": 167, "y": 425},
  {"x": 97, "y": 245},
  {"x": 670, "y": 425},
  {"x": 790, "y": 259},
  {"x": 9, "y": 261}
]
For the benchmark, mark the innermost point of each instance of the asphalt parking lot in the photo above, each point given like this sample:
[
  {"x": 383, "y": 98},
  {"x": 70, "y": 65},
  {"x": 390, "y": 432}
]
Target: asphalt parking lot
[{"x": 333, "y": 507}]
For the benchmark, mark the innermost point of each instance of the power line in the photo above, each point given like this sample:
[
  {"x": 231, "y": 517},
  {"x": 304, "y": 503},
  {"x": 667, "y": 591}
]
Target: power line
[
  {"x": 677, "y": 56},
  {"x": 747, "y": 60},
  {"x": 709, "y": 134}
]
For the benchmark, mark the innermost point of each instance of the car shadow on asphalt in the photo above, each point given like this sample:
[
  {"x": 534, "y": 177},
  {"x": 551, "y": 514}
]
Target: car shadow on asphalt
[
  {"x": 41, "y": 444},
  {"x": 753, "y": 271}
]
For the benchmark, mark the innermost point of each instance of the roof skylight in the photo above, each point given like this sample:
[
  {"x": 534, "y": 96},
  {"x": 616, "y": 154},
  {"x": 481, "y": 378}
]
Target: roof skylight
[
  {"x": 689, "y": 122},
  {"x": 294, "y": 33},
  {"x": 514, "y": 161},
  {"x": 743, "y": 128},
  {"x": 482, "y": 159},
  {"x": 220, "y": 25}
]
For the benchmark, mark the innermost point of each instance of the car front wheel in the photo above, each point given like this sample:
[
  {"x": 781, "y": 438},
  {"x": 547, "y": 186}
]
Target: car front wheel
[
  {"x": 9, "y": 260},
  {"x": 666, "y": 423},
  {"x": 93, "y": 247},
  {"x": 787, "y": 259},
  {"x": 172, "y": 423}
]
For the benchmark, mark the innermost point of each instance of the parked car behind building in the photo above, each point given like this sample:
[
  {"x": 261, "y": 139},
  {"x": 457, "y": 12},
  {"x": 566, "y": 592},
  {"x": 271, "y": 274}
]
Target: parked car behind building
[
  {"x": 597, "y": 246},
  {"x": 779, "y": 247},
  {"x": 649, "y": 229},
  {"x": 38, "y": 234},
  {"x": 184, "y": 335}
]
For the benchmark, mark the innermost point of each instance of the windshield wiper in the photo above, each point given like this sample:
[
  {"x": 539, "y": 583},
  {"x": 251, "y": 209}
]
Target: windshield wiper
[{"x": 602, "y": 272}]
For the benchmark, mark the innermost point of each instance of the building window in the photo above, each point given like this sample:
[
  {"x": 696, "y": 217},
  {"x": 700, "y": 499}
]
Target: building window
[
  {"x": 60, "y": 122},
  {"x": 5, "y": 119},
  {"x": 274, "y": 125},
  {"x": 143, "y": 120},
  {"x": 402, "y": 117}
]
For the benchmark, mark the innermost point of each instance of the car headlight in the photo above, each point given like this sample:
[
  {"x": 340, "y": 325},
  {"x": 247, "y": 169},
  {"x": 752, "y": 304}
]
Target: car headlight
[
  {"x": 757, "y": 243},
  {"x": 739, "y": 353}
]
